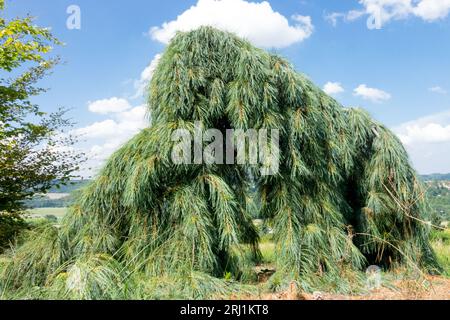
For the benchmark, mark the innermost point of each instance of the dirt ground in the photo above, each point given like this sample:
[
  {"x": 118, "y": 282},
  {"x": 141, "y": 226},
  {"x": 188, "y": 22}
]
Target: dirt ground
[{"x": 437, "y": 288}]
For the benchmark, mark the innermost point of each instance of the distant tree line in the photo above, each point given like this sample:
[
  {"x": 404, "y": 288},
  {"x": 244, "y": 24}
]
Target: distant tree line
[
  {"x": 439, "y": 201},
  {"x": 436, "y": 177}
]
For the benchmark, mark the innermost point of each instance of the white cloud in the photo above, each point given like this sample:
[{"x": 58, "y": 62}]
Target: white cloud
[
  {"x": 100, "y": 152},
  {"x": 135, "y": 118},
  {"x": 123, "y": 123},
  {"x": 354, "y": 14},
  {"x": 102, "y": 138},
  {"x": 333, "y": 17},
  {"x": 347, "y": 17},
  {"x": 257, "y": 22},
  {"x": 112, "y": 105},
  {"x": 431, "y": 10},
  {"x": 101, "y": 129},
  {"x": 332, "y": 88},
  {"x": 431, "y": 132},
  {"x": 372, "y": 94},
  {"x": 380, "y": 12},
  {"x": 438, "y": 89},
  {"x": 430, "y": 129},
  {"x": 428, "y": 142},
  {"x": 146, "y": 75}
]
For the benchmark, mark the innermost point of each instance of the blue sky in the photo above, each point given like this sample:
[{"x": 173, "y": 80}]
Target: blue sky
[{"x": 398, "y": 68}]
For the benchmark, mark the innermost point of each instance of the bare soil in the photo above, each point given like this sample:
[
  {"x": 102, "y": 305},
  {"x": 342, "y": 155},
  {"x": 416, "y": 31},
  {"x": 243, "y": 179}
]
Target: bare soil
[{"x": 436, "y": 288}]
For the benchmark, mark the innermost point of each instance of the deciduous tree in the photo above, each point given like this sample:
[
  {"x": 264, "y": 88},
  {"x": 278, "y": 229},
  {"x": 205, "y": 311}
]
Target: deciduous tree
[{"x": 35, "y": 152}]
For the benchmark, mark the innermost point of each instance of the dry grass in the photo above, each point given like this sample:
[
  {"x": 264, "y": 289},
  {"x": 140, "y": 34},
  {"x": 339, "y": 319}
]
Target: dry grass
[{"x": 434, "y": 288}]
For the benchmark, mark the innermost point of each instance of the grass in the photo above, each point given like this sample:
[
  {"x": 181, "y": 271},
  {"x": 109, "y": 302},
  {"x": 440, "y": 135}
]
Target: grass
[
  {"x": 267, "y": 248},
  {"x": 43, "y": 212},
  {"x": 441, "y": 245},
  {"x": 395, "y": 284},
  {"x": 440, "y": 241}
]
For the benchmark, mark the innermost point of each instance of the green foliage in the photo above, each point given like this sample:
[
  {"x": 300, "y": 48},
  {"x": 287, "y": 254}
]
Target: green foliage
[
  {"x": 34, "y": 152},
  {"x": 438, "y": 193},
  {"x": 345, "y": 197},
  {"x": 441, "y": 236},
  {"x": 10, "y": 226},
  {"x": 42, "y": 201},
  {"x": 21, "y": 41},
  {"x": 441, "y": 245}
]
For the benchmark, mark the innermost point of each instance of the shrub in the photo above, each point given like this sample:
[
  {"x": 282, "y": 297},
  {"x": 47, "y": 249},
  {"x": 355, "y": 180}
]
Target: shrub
[{"x": 10, "y": 227}]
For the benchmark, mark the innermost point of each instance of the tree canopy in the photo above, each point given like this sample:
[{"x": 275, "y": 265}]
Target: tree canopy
[
  {"x": 34, "y": 153},
  {"x": 345, "y": 196}
]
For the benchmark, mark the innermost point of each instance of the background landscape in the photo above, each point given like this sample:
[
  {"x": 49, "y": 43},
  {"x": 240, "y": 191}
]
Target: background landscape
[
  {"x": 55, "y": 203},
  {"x": 53, "y": 207},
  {"x": 387, "y": 57}
]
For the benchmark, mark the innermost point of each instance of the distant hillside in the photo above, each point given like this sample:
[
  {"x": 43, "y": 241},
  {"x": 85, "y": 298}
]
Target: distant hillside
[
  {"x": 436, "y": 177},
  {"x": 70, "y": 187},
  {"x": 56, "y": 197}
]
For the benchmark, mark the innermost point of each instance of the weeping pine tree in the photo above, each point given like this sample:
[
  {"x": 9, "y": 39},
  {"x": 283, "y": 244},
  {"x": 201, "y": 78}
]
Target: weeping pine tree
[{"x": 345, "y": 195}]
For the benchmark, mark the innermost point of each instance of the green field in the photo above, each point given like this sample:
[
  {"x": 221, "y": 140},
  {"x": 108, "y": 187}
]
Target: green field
[
  {"x": 441, "y": 245},
  {"x": 43, "y": 212}
]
